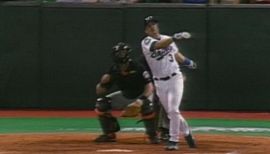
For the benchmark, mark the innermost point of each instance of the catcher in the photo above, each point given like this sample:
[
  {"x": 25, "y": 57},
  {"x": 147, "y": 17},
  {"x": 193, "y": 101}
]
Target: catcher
[{"x": 136, "y": 92}]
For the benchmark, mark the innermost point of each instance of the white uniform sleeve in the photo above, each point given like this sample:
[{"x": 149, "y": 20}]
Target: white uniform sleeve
[
  {"x": 147, "y": 43},
  {"x": 174, "y": 48},
  {"x": 173, "y": 45}
]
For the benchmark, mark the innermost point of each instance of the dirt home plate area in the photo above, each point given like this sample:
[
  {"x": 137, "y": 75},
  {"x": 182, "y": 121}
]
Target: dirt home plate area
[{"x": 133, "y": 143}]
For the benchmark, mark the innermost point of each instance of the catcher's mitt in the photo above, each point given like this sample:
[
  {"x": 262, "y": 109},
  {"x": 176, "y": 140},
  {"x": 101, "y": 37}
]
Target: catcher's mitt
[{"x": 132, "y": 110}]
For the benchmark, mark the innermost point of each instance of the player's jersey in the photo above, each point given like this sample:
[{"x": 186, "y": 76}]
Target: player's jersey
[
  {"x": 161, "y": 61},
  {"x": 131, "y": 84}
]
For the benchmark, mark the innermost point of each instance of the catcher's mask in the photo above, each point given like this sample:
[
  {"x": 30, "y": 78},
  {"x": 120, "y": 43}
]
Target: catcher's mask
[{"x": 120, "y": 53}]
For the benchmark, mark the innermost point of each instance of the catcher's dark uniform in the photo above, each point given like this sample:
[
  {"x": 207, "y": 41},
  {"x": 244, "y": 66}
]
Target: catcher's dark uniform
[{"x": 131, "y": 84}]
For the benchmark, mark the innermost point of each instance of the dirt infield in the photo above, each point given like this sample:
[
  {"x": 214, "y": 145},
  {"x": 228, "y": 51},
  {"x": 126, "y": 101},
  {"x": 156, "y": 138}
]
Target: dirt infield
[
  {"x": 88, "y": 113},
  {"x": 133, "y": 143}
]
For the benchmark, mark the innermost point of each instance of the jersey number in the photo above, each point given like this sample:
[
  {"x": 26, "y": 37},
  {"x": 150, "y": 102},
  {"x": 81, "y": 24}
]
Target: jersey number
[{"x": 171, "y": 58}]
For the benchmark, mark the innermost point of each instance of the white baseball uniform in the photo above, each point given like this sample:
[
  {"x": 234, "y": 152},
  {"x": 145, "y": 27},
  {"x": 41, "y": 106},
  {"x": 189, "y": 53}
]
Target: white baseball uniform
[{"x": 168, "y": 81}]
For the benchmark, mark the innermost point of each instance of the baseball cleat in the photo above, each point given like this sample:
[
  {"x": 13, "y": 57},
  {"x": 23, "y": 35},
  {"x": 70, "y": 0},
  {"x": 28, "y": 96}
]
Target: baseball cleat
[
  {"x": 190, "y": 141},
  {"x": 164, "y": 135},
  {"x": 171, "y": 146},
  {"x": 106, "y": 138},
  {"x": 154, "y": 140}
]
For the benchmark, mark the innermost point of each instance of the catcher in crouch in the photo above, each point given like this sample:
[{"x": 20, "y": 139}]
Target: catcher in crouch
[{"x": 136, "y": 92}]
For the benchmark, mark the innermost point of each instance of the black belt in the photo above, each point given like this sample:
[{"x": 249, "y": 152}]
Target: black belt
[{"x": 165, "y": 78}]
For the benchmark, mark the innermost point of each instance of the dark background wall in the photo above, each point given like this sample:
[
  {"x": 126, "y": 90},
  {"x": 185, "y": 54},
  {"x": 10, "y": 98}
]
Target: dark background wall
[
  {"x": 238, "y": 52},
  {"x": 76, "y": 44},
  {"x": 19, "y": 56},
  {"x": 52, "y": 55}
]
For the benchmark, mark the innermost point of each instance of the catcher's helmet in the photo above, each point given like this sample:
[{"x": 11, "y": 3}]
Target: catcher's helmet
[
  {"x": 120, "y": 53},
  {"x": 149, "y": 20}
]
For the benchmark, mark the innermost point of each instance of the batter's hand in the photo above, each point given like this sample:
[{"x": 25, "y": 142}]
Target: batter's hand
[
  {"x": 189, "y": 63},
  {"x": 192, "y": 65},
  {"x": 181, "y": 35},
  {"x": 132, "y": 110}
]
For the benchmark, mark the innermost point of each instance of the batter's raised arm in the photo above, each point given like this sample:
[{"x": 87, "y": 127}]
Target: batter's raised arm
[
  {"x": 181, "y": 59},
  {"x": 164, "y": 43},
  {"x": 167, "y": 41}
]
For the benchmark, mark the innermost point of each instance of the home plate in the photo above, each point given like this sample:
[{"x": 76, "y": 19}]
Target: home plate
[{"x": 115, "y": 150}]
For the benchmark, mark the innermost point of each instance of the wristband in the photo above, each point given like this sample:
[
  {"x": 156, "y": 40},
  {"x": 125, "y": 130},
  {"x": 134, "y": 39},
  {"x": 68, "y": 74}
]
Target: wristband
[{"x": 187, "y": 62}]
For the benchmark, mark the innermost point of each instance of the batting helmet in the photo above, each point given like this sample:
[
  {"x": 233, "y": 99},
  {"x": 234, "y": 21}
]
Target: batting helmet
[
  {"x": 120, "y": 53},
  {"x": 149, "y": 20}
]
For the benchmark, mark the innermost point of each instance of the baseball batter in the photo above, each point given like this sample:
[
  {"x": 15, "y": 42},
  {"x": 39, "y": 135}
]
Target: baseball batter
[{"x": 163, "y": 58}]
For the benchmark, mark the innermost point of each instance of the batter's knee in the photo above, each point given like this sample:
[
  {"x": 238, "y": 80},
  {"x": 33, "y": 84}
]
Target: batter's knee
[{"x": 173, "y": 112}]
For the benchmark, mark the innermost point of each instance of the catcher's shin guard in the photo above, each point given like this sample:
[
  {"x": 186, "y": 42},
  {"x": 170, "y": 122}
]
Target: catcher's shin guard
[
  {"x": 108, "y": 123},
  {"x": 151, "y": 130}
]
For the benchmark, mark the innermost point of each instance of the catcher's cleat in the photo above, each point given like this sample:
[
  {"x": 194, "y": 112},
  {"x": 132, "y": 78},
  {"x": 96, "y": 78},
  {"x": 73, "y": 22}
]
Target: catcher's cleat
[
  {"x": 106, "y": 138},
  {"x": 171, "y": 146},
  {"x": 154, "y": 140},
  {"x": 164, "y": 136},
  {"x": 190, "y": 141}
]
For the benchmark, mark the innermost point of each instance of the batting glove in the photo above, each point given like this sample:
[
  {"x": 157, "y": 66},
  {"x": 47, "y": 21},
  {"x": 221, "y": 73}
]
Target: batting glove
[
  {"x": 181, "y": 35},
  {"x": 189, "y": 63},
  {"x": 193, "y": 65}
]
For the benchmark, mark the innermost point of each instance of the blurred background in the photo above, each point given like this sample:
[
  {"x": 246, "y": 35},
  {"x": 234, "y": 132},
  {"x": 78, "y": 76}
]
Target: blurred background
[{"x": 53, "y": 52}]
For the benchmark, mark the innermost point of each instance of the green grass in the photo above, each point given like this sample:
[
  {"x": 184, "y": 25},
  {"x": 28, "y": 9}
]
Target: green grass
[
  {"x": 230, "y": 123},
  {"x": 56, "y": 125}
]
